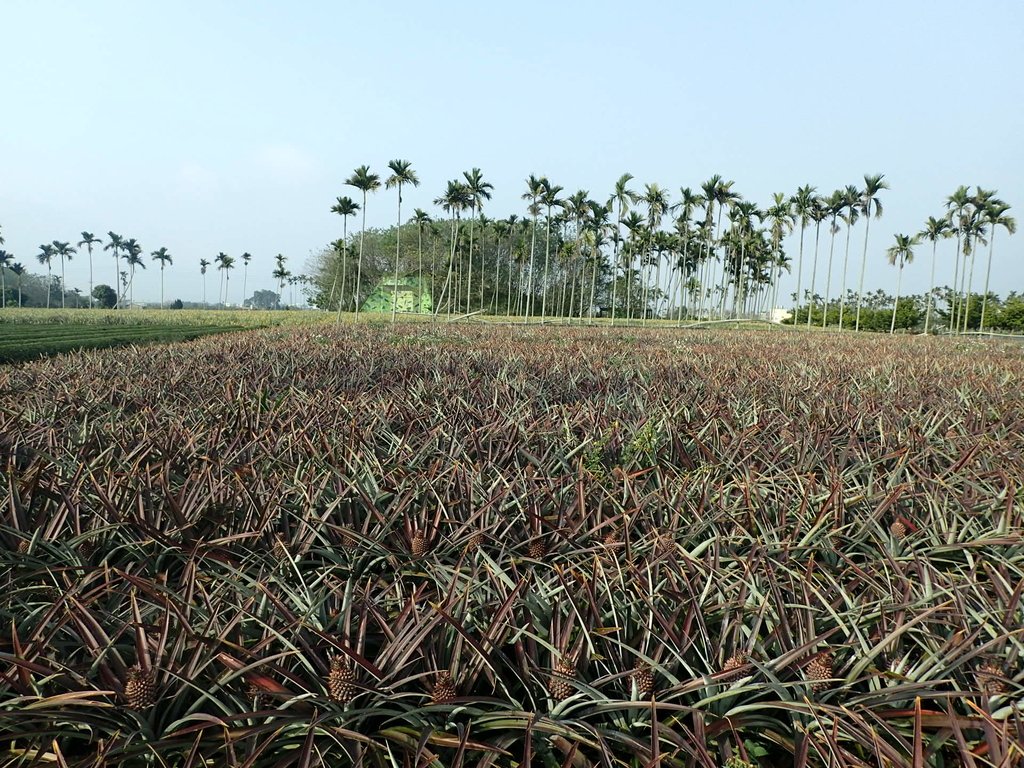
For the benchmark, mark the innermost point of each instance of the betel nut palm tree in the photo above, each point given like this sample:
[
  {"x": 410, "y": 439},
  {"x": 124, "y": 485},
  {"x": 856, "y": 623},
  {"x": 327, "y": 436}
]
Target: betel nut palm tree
[
  {"x": 900, "y": 253},
  {"x": 871, "y": 207},
  {"x": 366, "y": 182},
  {"x": 401, "y": 174},
  {"x": 344, "y": 207},
  {"x": 89, "y": 240},
  {"x": 935, "y": 229},
  {"x": 164, "y": 257}
]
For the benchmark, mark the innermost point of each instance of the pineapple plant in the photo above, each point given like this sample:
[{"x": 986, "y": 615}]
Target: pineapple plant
[
  {"x": 280, "y": 551},
  {"x": 341, "y": 681},
  {"x": 140, "y": 688},
  {"x": 87, "y": 548},
  {"x": 732, "y": 666},
  {"x": 537, "y": 549},
  {"x": 991, "y": 679},
  {"x": 559, "y": 686},
  {"x": 444, "y": 688},
  {"x": 643, "y": 678},
  {"x": 475, "y": 541},
  {"x": 819, "y": 671},
  {"x": 419, "y": 545}
]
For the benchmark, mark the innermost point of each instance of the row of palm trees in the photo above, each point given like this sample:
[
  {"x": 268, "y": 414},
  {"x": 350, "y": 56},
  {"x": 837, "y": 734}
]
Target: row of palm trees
[
  {"x": 972, "y": 219},
  {"x": 695, "y": 265},
  {"x": 128, "y": 248},
  {"x": 131, "y": 252}
]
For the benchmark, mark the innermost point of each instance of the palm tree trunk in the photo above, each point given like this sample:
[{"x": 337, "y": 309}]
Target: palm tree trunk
[
  {"x": 419, "y": 249},
  {"x": 970, "y": 282},
  {"x": 814, "y": 271},
  {"x": 988, "y": 273},
  {"x": 451, "y": 264},
  {"x": 483, "y": 235},
  {"x": 63, "y": 292},
  {"x": 931, "y": 292},
  {"x": 469, "y": 278},
  {"x": 359, "y": 264},
  {"x": 895, "y": 306},
  {"x": 398, "y": 250},
  {"x": 529, "y": 277},
  {"x": 828, "y": 272},
  {"x": 162, "y": 285},
  {"x": 615, "y": 263},
  {"x": 547, "y": 265},
  {"x": 846, "y": 261},
  {"x": 954, "y": 321},
  {"x": 799, "y": 270},
  {"x": 863, "y": 266},
  {"x": 344, "y": 263},
  {"x": 89, "y": 248},
  {"x": 508, "y": 297}
]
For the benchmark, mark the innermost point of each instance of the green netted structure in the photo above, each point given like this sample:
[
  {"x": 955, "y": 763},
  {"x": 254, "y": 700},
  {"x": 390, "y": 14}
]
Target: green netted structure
[{"x": 410, "y": 293}]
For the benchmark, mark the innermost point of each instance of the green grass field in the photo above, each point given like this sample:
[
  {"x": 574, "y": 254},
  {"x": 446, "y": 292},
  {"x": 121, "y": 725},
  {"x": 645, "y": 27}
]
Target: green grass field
[{"x": 27, "y": 334}]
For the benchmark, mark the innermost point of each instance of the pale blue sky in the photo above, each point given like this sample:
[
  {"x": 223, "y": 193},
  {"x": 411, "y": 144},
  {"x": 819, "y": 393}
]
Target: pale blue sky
[{"x": 208, "y": 126}]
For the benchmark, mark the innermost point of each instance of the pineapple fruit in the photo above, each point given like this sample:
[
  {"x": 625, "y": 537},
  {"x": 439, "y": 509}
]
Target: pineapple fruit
[
  {"x": 732, "y": 666},
  {"x": 444, "y": 688},
  {"x": 819, "y": 671},
  {"x": 140, "y": 688},
  {"x": 991, "y": 679},
  {"x": 643, "y": 678},
  {"x": 341, "y": 681},
  {"x": 419, "y": 545},
  {"x": 559, "y": 686}
]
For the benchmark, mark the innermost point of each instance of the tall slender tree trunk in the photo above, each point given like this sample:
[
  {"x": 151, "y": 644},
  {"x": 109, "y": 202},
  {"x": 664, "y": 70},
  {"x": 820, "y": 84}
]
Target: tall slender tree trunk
[
  {"x": 615, "y": 263},
  {"x": 799, "y": 269},
  {"x": 954, "y": 307},
  {"x": 89, "y": 248},
  {"x": 970, "y": 283},
  {"x": 988, "y": 274},
  {"x": 828, "y": 272},
  {"x": 863, "y": 266},
  {"x": 547, "y": 266},
  {"x": 398, "y": 250},
  {"x": 63, "y": 286},
  {"x": 931, "y": 292},
  {"x": 344, "y": 264},
  {"x": 814, "y": 271},
  {"x": 508, "y": 297},
  {"x": 451, "y": 266},
  {"x": 846, "y": 261},
  {"x": 469, "y": 273},
  {"x": 419, "y": 249},
  {"x": 896, "y": 305},
  {"x": 359, "y": 264},
  {"x": 162, "y": 286}
]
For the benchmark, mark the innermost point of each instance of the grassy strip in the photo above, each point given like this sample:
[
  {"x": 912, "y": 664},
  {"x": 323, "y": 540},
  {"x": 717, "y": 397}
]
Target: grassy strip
[
  {"x": 19, "y": 343},
  {"x": 158, "y": 317}
]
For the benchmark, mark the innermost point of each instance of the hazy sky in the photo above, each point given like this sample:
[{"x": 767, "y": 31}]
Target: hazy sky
[{"x": 208, "y": 126}]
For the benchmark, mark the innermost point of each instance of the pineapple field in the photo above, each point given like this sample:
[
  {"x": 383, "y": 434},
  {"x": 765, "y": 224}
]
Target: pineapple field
[{"x": 441, "y": 545}]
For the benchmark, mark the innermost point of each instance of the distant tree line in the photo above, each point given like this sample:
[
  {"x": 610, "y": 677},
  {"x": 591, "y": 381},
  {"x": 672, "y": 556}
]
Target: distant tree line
[{"x": 706, "y": 254}]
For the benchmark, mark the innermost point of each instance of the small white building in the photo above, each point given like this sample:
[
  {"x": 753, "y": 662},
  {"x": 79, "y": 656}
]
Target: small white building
[{"x": 779, "y": 315}]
